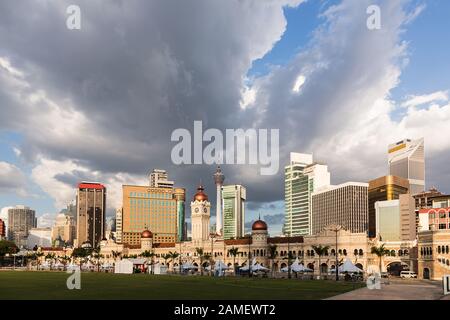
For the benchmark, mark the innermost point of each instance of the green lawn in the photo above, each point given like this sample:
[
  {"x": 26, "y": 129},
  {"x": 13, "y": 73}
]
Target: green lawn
[{"x": 52, "y": 285}]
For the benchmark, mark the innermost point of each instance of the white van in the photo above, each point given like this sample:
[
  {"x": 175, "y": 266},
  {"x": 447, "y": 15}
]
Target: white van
[{"x": 408, "y": 275}]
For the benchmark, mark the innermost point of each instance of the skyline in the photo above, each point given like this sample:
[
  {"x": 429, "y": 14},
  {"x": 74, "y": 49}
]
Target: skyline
[{"x": 101, "y": 102}]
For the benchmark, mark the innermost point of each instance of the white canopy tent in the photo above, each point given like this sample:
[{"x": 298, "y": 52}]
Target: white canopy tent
[
  {"x": 296, "y": 266},
  {"x": 258, "y": 267},
  {"x": 348, "y": 267},
  {"x": 124, "y": 266},
  {"x": 220, "y": 265},
  {"x": 188, "y": 266},
  {"x": 159, "y": 268}
]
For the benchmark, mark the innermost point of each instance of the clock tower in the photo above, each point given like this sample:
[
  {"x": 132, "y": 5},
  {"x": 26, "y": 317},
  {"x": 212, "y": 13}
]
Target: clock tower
[{"x": 200, "y": 215}]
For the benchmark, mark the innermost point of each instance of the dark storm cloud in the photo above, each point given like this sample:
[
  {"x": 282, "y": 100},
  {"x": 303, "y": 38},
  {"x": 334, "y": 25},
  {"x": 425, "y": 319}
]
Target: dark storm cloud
[
  {"x": 135, "y": 71},
  {"x": 116, "y": 89}
]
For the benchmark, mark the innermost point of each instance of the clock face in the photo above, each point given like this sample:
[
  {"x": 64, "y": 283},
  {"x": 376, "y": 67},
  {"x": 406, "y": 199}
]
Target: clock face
[
  {"x": 205, "y": 210},
  {"x": 196, "y": 210}
]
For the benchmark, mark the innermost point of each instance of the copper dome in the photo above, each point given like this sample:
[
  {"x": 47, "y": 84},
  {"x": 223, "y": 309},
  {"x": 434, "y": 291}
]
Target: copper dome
[
  {"x": 259, "y": 225},
  {"x": 200, "y": 195},
  {"x": 147, "y": 234}
]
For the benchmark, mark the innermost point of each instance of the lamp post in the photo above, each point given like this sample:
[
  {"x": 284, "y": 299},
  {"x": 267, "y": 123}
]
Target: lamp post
[
  {"x": 289, "y": 255},
  {"x": 212, "y": 235},
  {"x": 335, "y": 228},
  {"x": 249, "y": 257}
]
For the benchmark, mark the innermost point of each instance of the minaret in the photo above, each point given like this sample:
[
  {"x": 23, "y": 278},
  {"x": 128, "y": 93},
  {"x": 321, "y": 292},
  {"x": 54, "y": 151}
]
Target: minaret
[{"x": 218, "y": 179}]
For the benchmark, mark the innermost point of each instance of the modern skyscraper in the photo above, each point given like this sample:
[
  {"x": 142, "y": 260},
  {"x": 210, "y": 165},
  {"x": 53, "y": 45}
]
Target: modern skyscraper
[
  {"x": 180, "y": 197},
  {"x": 160, "y": 210},
  {"x": 395, "y": 219},
  {"x": 119, "y": 225},
  {"x": 2, "y": 229},
  {"x": 384, "y": 189},
  {"x": 234, "y": 197},
  {"x": 159, "y": 179},
  {"x": 91, "y": 210},
  {"x": 200, "y": 216},
  {"x": 219, "y": 178},
  {"x": 406, "y": 159},
  {"x": 345, "y": 204},
  {"x": 302, "y": 178},
  {"x": 21, "y": 220}
]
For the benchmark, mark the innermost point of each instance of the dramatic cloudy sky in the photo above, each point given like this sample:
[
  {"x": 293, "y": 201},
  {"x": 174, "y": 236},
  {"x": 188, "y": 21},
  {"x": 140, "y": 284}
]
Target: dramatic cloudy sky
[{"x": 101, "y": 103}]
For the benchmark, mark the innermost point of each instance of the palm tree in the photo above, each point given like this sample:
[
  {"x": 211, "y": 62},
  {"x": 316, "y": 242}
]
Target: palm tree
[
  {"x": 97, "y": 256},
  {"x": 80, "y": 253},
  {"x": 166, "y": 257},
  {"x": 148, "y": 254},
  {"x": 379, "y": 252},
  {"x": 320, "y": 251},
  {"x": 272, "y": 256},
  {"x": 173, "y": 256},
  {"x": 64, "y": 259},
  {"x": 116, "y": 254},
  {"x": 201, "y": 256},
  {"x": 208, "y": 257},
  {"x": 234, "y": 252},
  {"x": 39, "y": 254},
  {"x": 51, "y": 257}
]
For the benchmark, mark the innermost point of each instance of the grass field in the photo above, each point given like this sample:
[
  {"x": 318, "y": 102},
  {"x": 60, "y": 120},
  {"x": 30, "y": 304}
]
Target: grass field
[{"x": 52, "y": 285}]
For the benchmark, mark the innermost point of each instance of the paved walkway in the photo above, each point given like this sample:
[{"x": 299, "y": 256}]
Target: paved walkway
[{"x": 398, "y": 290}]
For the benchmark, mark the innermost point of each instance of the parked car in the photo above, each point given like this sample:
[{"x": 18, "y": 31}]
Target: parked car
[{"x": 408, "y": 274}]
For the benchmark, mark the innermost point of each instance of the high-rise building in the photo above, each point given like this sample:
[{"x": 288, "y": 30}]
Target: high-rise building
[
  {"x": 200, "y": 216},
  {"x": 119, "y": 225},
  {"x": 219, "y": 178},
  {"x": 384, "y": 189},
  {"x": 302, "y": 178},
  {"x": 395, "y": 219},
  {"x": 91, "y": 211},
  {"x": 2, "y": 229},
  {"x": 65, "y": 229},
  {"x": 406, "y": 159},
  {"x": 159, "y": 179},
  {"x": 160, "y": 210},
  {"x": 345, "y": 204},
  {"x": 21, "y": 220},
  {"x": 234, "y": 197},
  {"x": 180, "y": 197}
]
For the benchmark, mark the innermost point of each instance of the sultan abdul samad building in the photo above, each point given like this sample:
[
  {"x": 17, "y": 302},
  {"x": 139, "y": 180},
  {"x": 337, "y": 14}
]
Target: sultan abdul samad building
[{"x": 353, "y": 246}]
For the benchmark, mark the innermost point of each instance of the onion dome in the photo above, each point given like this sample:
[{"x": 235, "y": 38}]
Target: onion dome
[
  {"x": 200, "y": 195},
  {"x": 147, "y": 234},
  {"x": 259, "y": 225}
]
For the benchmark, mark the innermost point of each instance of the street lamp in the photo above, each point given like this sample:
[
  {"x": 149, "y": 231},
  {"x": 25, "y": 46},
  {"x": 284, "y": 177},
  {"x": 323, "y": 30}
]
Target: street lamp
[
  {"x": 249, "y": 257},
  {"x": 335, "y": 228},
  {"x": 289, "y": 255}
]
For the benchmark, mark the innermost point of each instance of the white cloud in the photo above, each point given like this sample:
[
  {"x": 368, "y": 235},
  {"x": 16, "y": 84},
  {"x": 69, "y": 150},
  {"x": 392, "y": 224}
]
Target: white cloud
[
  {"x": 12, "y": 179},
  {"x": 415, "y": 101},
  {"x": 59, "y": 180},
  {"x": 299, "y": 83}
]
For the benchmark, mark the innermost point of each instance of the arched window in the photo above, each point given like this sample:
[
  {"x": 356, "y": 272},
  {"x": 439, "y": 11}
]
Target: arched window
[
  {"x": 405, "y": 252},
  {"x": 393, "y": 253},
  {"x": 355, "y": 252},
  {"x": 439, "y": 249},
  {"x": 326, "y": 253},
  {"x": 361, "y": 252},
  {"x": 400, "y": 253},
  {"x": 345, "y": 252},
  {"x": 446, "y": 249},
  {"x": 340, "y": 251},
  {"x": 333, "y": 252},
  {"x": 421, "y": 251}
]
